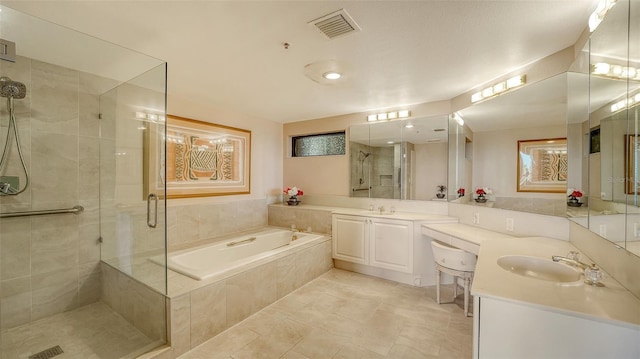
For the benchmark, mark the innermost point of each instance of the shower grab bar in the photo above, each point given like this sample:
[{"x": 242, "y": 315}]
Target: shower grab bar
[
  {"x": 74, "y": 210},
  {"x": 230, "y": 244}
]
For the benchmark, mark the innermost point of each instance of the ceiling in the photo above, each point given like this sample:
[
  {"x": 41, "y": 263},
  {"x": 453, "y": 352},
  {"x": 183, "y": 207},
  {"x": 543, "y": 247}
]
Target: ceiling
[{"x": 231, "y": 53}]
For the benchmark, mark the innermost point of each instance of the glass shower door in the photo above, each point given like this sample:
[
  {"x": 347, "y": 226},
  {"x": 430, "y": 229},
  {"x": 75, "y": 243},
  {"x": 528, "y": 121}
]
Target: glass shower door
[{"x": 132, "y": 201}]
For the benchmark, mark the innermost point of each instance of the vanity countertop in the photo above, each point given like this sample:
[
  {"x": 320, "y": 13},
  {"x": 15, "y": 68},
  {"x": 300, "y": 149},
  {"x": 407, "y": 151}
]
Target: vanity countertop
[
  {"x": 612, "y": 303},
  {"x": 464, "y": 232},
  {"x": 407, "y": 216}
]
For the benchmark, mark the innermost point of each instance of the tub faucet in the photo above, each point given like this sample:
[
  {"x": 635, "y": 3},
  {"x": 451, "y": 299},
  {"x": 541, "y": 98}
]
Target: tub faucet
[{"x": 294, "y": 232}]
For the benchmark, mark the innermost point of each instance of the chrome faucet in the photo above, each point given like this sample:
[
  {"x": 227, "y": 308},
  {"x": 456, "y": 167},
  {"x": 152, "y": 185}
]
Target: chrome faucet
[
  {"x": 381, "y": 209},
  {"x": 592, "y": 274}
]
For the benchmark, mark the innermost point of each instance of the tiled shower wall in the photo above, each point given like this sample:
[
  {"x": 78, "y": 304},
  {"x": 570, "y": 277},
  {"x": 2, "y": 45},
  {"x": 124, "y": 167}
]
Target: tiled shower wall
[{"x": 50, "y": 264}]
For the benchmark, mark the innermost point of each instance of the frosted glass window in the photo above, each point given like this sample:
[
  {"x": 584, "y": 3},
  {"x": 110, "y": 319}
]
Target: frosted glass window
[{"x": 324, "y": 144}]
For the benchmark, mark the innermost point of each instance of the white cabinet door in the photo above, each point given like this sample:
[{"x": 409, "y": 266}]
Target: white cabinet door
[
  {"x": 392, "y": 244},
  {"x": 351, "y": 238}
]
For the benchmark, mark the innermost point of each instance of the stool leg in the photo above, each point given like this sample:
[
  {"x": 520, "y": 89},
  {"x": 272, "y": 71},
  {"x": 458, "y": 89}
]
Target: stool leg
[
  {"x": 437, "y": 286},
  {"x": 466, "y": 297},
  {"x": 455, "y": 287}
]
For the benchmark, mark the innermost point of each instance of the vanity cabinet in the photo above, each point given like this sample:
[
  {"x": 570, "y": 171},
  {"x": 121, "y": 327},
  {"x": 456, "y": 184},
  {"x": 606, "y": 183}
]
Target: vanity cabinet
[
  {"x": 505, "y": 329},
  {"x": 378, "y": 242},
  {"x": 351, "y": 238}
]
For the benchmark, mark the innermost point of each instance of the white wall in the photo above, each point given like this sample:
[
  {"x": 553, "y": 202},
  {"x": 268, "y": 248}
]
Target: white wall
[{"x": 495, "y": 159}]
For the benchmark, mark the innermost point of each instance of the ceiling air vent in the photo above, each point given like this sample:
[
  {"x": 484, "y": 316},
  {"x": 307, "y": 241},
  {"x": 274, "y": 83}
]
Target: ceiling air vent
[{"x": 336, "y": 24}]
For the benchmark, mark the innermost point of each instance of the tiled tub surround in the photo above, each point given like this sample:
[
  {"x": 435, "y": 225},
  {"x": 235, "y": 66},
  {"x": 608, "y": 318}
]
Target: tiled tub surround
[
  {"x": 199, "y": 310},
  {"x": 304, "y": 216},
  {"x": 50, "y": 264},
  {"x": 192, "y": 221}
]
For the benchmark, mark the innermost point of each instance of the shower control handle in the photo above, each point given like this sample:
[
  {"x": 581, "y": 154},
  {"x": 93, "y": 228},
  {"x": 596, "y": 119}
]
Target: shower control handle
[{"x": 152, "y": 197}]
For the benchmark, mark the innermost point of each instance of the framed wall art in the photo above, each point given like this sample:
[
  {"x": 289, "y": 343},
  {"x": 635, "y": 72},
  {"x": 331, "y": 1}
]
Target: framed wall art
[
  {"x": 542, "y": 165},
  {"x": 201, "y": 159}
]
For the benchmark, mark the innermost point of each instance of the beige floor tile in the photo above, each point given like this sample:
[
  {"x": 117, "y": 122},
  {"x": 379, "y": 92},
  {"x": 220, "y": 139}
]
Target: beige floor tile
[{"x": 348, "y": 315}]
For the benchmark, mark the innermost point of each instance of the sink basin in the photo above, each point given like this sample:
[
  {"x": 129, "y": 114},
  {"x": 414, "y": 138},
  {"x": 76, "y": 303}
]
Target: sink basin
[{"x": 539, "y": 268}]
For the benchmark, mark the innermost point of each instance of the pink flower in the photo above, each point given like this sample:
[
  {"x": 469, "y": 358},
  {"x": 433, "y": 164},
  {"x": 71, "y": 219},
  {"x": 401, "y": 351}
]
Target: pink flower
[{"x": 295, "y": 191}]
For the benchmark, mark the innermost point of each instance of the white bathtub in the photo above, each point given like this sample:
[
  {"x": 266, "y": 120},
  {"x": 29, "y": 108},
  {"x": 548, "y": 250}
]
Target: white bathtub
[{"x": 210, "y": 260}]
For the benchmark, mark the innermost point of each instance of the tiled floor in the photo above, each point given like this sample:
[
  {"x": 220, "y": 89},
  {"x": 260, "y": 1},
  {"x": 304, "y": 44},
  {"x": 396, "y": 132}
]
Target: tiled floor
[
  {"x": 347, "y": 315},
  {"x": 92, "y": 331}
]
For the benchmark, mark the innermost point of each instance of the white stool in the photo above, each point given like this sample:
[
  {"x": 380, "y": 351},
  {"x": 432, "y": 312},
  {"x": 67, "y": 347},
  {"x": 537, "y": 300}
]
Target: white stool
[{"x": 456, "y": 262}]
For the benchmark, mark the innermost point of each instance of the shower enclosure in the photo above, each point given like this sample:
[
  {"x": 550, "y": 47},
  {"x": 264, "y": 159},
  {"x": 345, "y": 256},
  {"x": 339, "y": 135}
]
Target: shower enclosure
[{"x": 81, "y": 194}]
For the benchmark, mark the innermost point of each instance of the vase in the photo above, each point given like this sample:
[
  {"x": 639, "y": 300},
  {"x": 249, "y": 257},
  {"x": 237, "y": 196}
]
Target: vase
[
  {"x": 481, "y": 199},
  {"x": 293, "y": 201},
  {"x": 573, "y": 202},
  {"x": 440, "y": 195}
]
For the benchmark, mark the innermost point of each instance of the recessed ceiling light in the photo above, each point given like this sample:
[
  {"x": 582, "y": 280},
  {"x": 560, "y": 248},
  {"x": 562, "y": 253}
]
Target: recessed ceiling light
[
  {"x": 332, "y": 75},
  {"x": 408, "y": 125}
]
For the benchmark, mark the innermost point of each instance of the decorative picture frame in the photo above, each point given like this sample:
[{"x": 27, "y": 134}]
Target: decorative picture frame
[
  {"x": 631, "y": 149},
  {"x": 201, "y": 159},
  {"x": 542, "y": 165}
]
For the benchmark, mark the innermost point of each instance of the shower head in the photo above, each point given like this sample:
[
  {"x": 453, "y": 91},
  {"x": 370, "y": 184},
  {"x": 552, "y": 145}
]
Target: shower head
[
  {"x": 12, "y": 89},
  {"x": 363, "y": 155}
]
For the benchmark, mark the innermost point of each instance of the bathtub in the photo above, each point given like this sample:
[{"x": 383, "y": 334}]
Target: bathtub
[{"x": 207, "y": 261}]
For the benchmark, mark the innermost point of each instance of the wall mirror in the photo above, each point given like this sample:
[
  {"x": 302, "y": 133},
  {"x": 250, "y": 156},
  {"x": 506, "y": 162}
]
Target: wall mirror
[
  {"x": 491, "y": 133},
  {"x": 402, "y": 159},
  {"x": 614, "y": 127}
]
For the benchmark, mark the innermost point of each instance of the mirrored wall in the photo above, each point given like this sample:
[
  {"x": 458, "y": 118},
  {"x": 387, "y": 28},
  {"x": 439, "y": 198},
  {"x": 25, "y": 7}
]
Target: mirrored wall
[
  {"x": 614, "y": 127},
  {"x": 484, "y": 148},
  {"x": 402, "y": 159}
]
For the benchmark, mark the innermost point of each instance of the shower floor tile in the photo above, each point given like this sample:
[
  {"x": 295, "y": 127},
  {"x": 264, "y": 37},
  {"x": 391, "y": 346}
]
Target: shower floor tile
[
  {"x": 92, "y": 331},
  {"x": 343, "y": 314}
]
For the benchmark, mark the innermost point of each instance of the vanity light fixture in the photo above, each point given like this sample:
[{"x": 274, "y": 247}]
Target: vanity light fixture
[
  {"x": 624, "y": 103},
  {"x": 332, "y": 75},
  {"x": 383, "y": 116},
  {"x": 599, "y": 13},
  {"x": 615, "y": 71},
  {"x": 146, "y": 116},
  {"x": 499, "y": 88}
]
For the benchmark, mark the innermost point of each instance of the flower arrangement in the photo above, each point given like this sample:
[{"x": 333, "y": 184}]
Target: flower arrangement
[
  {"x": 574, "y": 194},
  {"x": 572, "y": 197},
  {"x": 293, "y": 191},
  {"x": 481, "y": 192},
  {"x": 460, "y": 192}
]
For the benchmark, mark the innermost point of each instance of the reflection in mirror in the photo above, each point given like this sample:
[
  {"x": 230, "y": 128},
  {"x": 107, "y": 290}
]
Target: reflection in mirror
[
  {"x": 614, "y": 127},
  {"x": 534, "y": 112},
  {"x": 460, "y": 160},
  {"x": 403, "y": 159}
]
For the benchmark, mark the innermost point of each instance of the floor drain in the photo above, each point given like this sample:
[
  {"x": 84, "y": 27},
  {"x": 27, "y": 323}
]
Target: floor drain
[{"x": 47, "y": 353}]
